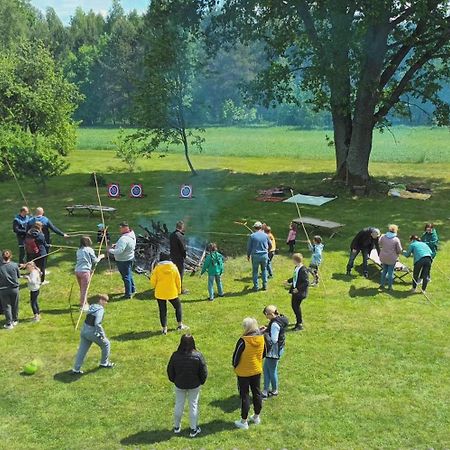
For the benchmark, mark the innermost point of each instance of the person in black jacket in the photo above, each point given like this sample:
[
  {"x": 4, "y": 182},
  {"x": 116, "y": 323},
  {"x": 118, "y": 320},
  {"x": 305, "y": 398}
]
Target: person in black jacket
[
  {"x": 298, "y": 288},
  {"x": 20, "y": 226},
  {"x": 364, "y": 242},
  {"x": 188, "y": 371},
  {"x": 9, "y": 289},
  {"x": 178, "y": 248}
]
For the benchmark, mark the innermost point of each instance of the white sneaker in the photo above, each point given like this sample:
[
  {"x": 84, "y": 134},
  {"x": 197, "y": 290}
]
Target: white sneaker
[
  {"x": 8, "y": 326},
  {"x": 15, "y": 323},
  {"x": 255, "y": 419},
  {"x": 241, "y": 425},
  {"x": 45, "y": 282}
]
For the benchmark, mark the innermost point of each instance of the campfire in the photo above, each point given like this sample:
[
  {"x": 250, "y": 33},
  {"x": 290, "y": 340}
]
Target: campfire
[{"x": 151, "y": 243}]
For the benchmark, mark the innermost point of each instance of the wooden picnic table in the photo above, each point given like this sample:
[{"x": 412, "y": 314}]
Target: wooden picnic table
[
  {"x": 329, "y": 225},
  {"x": 91, "y": 208}
]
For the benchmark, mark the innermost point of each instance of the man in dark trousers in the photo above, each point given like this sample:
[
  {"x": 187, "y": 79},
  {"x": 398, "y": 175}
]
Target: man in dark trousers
[
  {"x": 47, "y": 225},
  {"x": 20, "y": 226},
  {"x": 364, "y": 242},
  {"x": 178, "y": 249}
]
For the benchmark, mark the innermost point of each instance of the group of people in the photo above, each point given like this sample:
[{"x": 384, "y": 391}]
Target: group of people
[{"x": 423, "y": 249}]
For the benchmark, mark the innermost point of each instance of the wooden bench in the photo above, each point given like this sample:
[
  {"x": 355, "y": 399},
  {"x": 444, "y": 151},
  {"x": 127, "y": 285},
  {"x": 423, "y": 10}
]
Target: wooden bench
[
  {"x": 328, "y": 225},
  {"x": 91, "y": 208}
]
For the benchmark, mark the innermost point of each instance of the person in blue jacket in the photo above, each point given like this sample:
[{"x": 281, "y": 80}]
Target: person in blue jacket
[
  {"x": 20, "y": 227},
  {"x": 258, "y": 248},
  {"x": 93, "y": 332},
  {"x": 423, "y": 258},
  {"x": 47, "y": 225}
]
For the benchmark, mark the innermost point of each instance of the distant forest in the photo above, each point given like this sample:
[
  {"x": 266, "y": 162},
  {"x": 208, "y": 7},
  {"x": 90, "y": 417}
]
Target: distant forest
[{"x": 103, "y": 57}]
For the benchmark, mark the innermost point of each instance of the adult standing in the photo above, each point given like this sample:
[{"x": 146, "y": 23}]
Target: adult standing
[
  {"x": 123, "y": 251},
  {"x": 275, "y": 338},
  {"x": 390, "y": 250},
  {"x": 20, "y": 227},
  {"x": 258, "y": 248},
  {"x": 431, "y": 238},
  {"x": 247, "y": 363},
  {"x": 364, "y": 242},
  {"x": 298, "y": 288},
  {"x": 9, "y": 289},
  {"x": 178, "y": 252},
  {"x": 423, "y": 258},
  {"x": 187, "y": 370},
  {"x": 36, "y": 248},
  {"x": 47, "y": 225},
  {"x": 166, "y": 280},
  {"x": 86, "y": 261}
]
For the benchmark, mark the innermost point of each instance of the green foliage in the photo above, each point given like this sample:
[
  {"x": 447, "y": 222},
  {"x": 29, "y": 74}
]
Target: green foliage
[
  {"x": 129, "y": 149},
  {"x": 235, "y": 115}
]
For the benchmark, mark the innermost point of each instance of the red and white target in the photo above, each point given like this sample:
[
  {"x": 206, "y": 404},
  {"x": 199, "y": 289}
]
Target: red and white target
[
  {"x": 186, "y": 191},
  {"x": 113, "y": 190},
  {"x": 136, "y": 191}
]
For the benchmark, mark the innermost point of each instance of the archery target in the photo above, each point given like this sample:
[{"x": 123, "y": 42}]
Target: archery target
[
  {"x": 185, "y": 191},
  {"x": 113, "y": 190},
  {"x": 136, "y": 191}
]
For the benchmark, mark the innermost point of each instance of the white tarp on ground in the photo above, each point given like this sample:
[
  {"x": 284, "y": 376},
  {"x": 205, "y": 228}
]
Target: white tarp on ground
[{"x": 309, "y": 200}]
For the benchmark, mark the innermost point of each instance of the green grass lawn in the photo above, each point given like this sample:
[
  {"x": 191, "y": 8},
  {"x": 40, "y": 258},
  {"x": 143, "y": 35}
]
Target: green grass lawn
[
  {"x": 402, "y": 144},
  {"x": 369, "y": 371}
]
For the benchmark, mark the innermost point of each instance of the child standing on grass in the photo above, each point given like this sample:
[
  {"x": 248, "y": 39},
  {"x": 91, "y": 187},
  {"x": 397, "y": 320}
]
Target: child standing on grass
[
  {"x": 272, "y": 251},
  {"x": 213, "y": 264},
  {"x": 316, "y": 248},
  {"x": 34, "y": 285},
  {"x": 292, "y": 236}
]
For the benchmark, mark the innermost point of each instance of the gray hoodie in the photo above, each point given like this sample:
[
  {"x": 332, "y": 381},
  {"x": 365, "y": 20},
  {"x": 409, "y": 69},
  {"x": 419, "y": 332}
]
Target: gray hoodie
[
  {"x": 124, "y": 249},
  {"x": 95, "y": 316}
]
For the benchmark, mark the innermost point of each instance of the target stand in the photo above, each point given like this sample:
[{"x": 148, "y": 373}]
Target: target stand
[
  {"x": 136, "y": 191},
  {"x": 186, "y": 191},
  {"x": 113, "y": 190}
]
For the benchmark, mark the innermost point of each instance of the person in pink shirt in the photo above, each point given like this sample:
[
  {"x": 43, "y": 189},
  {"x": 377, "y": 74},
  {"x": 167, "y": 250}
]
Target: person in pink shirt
[
  {"x": 292, "y": 236},
  {"x": 390, "y": 250}
]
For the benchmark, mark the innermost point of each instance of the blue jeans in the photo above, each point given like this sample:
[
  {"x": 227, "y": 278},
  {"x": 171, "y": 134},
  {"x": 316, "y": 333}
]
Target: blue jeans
[
  {"x": 352, "y": 257},
  {"x": 387, "y": 272},
  {"x": 260, "y": 261},
  {"x": 270, "y": 374},
  {"x": 218, "y": 280},
  {"x": 127, "y": 276}
]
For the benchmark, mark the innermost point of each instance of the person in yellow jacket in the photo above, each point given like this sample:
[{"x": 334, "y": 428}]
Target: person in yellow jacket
[
  {"x": 166, "y": 280},
  {"x": 272, "y": 251},
  {"x": 247, "y": 362}
]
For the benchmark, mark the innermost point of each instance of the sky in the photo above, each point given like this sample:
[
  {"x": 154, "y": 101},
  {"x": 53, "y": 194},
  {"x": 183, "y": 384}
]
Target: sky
[{"x": 66, "y": 8}]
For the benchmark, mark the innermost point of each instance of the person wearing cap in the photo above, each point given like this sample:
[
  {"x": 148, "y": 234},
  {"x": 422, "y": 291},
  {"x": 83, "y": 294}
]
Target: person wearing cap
[
  {"x": 102, "y": 235},
  {"x": 258, "y": 248},
  {"x": 364, "y": 242},
  {"x": 93, "y": 332},
  {"x": 123, "y": 251},
  {"x": 20, "y": 227}
]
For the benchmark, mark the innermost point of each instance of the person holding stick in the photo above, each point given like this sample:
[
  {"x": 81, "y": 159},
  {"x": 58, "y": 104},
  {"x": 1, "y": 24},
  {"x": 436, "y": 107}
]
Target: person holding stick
[
  {"x": 37, "y": 249},
  {"x": 258, "y": 248},
  {"x": 86, "y": 261},
  {"x": 34, "y": 285},
  {"x": 9, "y": 289},
  {"x": 47, "y": 225},
  {"x": 20, "y": 227},
  {"x": 93, "y": 332},
  {"x": 123, "y": 251},
  {"x": 166, "y": 280},
  {"x": 423, "y": 259},
  {"x": 298, "y": 288},
  {"x": 247, "y": 363},
  {"x": 187, "y": 370},
  {"x": 316, "y": 248},
  {"x": 364, "y": 242}
]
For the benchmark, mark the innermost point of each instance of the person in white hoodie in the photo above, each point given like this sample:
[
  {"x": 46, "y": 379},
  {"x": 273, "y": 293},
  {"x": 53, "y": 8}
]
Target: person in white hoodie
[
  {"x": 34, "y": 285},
  {"x": 390, "y": 250},
  {"x": 93, "y": 332},
  {"x": 123, "y": 251}
]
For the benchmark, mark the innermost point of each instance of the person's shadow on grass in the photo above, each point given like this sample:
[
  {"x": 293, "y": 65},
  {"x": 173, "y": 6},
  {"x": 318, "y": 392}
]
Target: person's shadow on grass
[
  {"x": 155, "y": 436},
  {"x": 227, "y": 405},
  {"x": 69, "y": 377},
  {"x": 136, "y": 335}
]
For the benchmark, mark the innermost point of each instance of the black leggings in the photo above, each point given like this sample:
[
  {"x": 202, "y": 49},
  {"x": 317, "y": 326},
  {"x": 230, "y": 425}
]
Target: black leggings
[
  {"x": 422, "y": 269},
  {"x": 162, "y": 305},
  {"x": 296, "y": 307},
  {"x": 34, "y": 301},
  {"x": 253, "y": 383}
]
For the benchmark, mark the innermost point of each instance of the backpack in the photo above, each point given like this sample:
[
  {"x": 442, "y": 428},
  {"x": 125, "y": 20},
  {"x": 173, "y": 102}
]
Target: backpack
[{"x": 31, "y": 246}]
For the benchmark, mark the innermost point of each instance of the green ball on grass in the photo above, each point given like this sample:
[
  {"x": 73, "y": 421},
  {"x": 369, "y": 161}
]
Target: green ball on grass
[{"x": 32, "y": 367}]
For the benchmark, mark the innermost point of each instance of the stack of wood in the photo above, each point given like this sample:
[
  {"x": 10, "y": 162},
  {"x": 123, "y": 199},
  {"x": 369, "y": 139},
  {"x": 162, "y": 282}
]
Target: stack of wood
[{"x": 150, "y": 245}]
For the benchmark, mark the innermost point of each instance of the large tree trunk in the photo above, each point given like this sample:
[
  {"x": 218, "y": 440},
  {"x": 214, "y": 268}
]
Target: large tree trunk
[{"x": 186, "y": 151}]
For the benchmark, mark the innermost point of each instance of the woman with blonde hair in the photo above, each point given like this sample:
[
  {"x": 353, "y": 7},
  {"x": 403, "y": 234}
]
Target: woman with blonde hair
[
  {"x": 390, "y": 250},
  {"x": 247, "y": 363}
]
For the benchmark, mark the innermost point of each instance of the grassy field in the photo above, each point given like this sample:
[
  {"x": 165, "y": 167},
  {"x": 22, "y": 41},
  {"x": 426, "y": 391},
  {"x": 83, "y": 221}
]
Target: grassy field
[
  {"x": 369, "y": 371},
  {"x": 403, "y": 144}
]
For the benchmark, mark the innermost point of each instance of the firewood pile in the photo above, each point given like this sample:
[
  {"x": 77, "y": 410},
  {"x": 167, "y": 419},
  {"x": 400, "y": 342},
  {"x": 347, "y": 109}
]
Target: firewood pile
[{"x": 151, "y": 243}]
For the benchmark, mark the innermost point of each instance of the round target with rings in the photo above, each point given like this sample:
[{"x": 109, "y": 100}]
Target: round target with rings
[
  {"x": 136, "y": 191},
  {"x": 113, "y": 190},
  {"x": 185, "y": 191}
]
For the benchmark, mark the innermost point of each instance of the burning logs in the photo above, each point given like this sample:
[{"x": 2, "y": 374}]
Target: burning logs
[{"x": 151, "y": 244}]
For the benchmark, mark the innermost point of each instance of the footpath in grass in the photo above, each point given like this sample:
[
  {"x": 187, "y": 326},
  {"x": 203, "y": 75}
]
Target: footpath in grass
[{"x": 368, "y": 372}]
